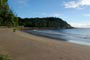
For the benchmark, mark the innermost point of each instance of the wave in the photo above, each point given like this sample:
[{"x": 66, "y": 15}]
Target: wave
[{"x": 77, "y": 35}]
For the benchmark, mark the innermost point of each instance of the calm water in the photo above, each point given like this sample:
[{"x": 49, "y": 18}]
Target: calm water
[{"x": 80, "y": 36}]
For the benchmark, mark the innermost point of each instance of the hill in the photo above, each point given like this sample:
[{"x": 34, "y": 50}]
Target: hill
[{"x": 48, "y": 22}]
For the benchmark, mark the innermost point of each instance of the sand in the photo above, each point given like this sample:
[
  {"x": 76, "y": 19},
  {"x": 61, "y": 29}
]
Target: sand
[{"x": 23, "y": 46}]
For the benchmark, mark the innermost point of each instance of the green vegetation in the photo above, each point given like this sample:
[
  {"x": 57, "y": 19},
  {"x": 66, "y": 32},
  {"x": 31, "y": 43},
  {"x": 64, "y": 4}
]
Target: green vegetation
[
  {"x": 4, "y": 57},
  {"x": 7, "y": 18},
  {"x": 49, "y": 22}
]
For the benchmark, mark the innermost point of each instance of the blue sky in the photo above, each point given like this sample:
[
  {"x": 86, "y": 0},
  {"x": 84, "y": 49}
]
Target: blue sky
[{"x": 75, "y": 12}]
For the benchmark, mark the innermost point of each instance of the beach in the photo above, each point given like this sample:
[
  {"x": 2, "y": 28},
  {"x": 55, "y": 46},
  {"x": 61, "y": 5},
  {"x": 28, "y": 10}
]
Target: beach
[{"x": 23, "y": 46}]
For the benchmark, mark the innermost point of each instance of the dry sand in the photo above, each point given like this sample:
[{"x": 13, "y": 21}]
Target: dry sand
[{"x": 23, "y": 46}]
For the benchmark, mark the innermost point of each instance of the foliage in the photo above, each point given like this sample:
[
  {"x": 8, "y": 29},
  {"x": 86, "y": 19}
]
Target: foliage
[
  {"x": 52, "y": 22},
  {"x": 4, "y": 57},
  {"x": 7, "y": 18}
]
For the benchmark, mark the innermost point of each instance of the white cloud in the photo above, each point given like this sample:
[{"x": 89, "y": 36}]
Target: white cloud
[
  {"x": 85, "y": 2},
  {"x": 77, "y": 4},
  {"x": 72, "y": 4},
  {"x": 81, "y": 25},
  {"x": 22, "y": 3},
  {"x": 87, "y": 15}
]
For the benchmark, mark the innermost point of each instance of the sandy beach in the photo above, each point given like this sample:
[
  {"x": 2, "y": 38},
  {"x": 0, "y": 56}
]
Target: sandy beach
[{"x": 23, "y": 46}]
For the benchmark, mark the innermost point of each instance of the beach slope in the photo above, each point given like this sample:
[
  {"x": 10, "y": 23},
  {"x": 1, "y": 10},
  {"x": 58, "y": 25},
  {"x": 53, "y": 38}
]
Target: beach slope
[{"x": 24, "y": 46}]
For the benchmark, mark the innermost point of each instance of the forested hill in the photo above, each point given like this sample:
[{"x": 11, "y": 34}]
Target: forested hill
[{"x": 49, "y": 22}]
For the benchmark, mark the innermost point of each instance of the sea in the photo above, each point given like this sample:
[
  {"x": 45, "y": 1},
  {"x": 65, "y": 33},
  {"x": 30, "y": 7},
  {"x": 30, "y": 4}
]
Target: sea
[{"x": 78, "y": 35}]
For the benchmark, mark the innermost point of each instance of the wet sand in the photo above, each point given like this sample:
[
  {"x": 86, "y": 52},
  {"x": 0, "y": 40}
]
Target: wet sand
[{"x": 24, "y": 46}]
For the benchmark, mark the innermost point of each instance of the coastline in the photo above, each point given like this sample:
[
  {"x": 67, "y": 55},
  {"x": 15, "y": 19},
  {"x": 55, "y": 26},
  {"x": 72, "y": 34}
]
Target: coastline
[
  {"x": 54, "y": 36},
  {"x": 23, "y": 46},
  {"x": 40, "y": 35}
]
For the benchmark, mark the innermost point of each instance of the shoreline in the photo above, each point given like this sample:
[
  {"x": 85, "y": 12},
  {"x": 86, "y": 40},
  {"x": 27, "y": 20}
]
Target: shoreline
[
  {"x": 23, "y": 46},
  {"x": 59, "y": 39},
  {"x": 28, "y": 34}
]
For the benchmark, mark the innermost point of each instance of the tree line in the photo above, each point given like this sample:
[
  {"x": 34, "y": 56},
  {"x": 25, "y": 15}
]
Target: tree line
[
  {"x": 47, "y": 22},
  {"x": 7, "y": 17}
]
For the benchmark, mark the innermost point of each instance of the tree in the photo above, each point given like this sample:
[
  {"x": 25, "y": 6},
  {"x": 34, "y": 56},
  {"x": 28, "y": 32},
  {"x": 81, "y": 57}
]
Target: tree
[
  {"x": 48, "y": 22},
  {"x": 7, "y": 17}
]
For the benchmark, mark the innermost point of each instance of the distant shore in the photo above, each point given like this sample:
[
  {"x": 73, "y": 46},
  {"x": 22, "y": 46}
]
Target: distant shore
[
  {"x": 24, "y": 46},
  {"x": 41, "y": 28}
]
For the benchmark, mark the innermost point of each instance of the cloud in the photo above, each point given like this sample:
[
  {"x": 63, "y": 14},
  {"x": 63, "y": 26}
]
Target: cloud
[
  {"x": 72, "y": 4},
  {"x": 81, "y": 25},
  {"x": 77, "y": 4},
  {"x": 22, "y": 3},
  {"x": 85, "y": 2},
  {"x": 87, "y": 15}
]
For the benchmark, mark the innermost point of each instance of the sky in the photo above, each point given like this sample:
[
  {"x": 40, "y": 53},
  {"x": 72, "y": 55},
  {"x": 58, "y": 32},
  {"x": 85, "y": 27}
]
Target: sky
[{"x": 75, "y": 12}]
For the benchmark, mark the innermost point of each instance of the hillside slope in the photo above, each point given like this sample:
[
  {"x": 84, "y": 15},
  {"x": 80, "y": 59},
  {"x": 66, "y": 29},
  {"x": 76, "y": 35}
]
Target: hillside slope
[{"x": 49, "y": 22}]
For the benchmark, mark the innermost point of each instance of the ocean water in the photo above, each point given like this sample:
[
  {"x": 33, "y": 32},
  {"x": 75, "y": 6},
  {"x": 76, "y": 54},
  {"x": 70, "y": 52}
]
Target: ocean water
[{"x": 79, "y": 35}]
